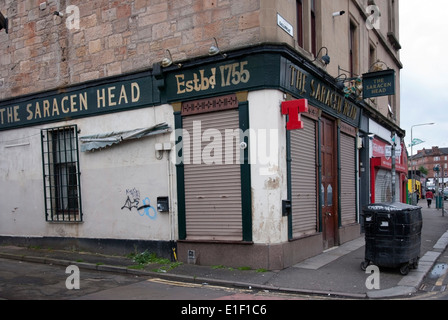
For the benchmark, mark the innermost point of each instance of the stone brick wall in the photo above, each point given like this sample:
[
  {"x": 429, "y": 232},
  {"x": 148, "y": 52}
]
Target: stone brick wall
[{"x": 43, "y": 51}]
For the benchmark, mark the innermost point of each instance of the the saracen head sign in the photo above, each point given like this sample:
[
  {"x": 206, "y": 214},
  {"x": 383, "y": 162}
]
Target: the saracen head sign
[
  {"x": 76, "y": 102},
  {"x": 379, "y": 84}
]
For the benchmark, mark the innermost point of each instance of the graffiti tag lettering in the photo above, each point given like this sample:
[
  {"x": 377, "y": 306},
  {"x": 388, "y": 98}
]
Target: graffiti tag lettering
[{"x": 133, "y": 201}]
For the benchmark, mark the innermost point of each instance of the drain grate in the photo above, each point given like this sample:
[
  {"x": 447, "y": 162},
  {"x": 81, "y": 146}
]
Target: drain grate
[
  {"x": 425, "y": 288},
  {"x": 438, "y": 289}
]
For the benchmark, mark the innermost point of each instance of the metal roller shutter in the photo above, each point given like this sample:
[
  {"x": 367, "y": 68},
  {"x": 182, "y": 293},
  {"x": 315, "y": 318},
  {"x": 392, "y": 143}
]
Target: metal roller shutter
[
  {"x": 383, "y": 186},
  {"x": 213, "y": 191},
  {"x": 348, "y": 180},
  {"x": 304, "y": 179}
]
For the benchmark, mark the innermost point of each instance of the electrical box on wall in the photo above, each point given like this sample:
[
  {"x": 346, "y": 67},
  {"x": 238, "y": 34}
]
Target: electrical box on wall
[
  {"x": 286, "y": 208},
  {"x": 163, "y": 204}
]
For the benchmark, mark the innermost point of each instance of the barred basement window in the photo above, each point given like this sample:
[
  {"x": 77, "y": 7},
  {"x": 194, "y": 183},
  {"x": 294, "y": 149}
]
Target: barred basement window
[{"x": 61, "y": 174}]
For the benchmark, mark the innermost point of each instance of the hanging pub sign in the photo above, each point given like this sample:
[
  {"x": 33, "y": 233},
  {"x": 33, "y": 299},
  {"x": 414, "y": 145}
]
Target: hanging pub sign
[{"x": 379, "y": 84}]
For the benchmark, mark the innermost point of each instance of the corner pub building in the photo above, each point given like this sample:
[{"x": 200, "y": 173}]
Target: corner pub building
[{"x": 219, "y": 130}]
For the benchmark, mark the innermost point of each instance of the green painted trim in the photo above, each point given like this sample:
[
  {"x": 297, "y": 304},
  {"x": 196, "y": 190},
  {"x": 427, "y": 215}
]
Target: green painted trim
[
  {"x": 289, "y": 178},
  {"x": 339, "y": 176},
  {"x": 246, "y": 183},
  {"x": 180, "y": 175},
  {"x": 356, "y": 179},
  {"x": 319, "y": 168}
]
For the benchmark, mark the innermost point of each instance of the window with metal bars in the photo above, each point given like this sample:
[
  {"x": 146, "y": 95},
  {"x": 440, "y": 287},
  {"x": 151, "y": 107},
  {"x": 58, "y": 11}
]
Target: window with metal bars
[{"x": 62, "y": 187}]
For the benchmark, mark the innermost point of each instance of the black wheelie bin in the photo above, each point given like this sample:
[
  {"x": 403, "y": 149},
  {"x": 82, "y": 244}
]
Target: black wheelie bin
[{"x": 393, "y": 236}]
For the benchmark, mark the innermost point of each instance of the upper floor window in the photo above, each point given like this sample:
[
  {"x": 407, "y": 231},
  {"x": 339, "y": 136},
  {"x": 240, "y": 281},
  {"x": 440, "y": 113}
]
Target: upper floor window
[
  {"x": 313, "y": 28},
  {"x": 392, "y": 27},
  {"x": 353, "y": 49},
  {"x": 300, "y": 23}
]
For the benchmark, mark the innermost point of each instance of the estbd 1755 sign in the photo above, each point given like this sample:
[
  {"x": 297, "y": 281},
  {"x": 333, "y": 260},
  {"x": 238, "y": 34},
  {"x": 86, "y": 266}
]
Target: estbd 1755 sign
[
  {"x": 378, "y": 84},
  {"x": 220, "y": 78}
]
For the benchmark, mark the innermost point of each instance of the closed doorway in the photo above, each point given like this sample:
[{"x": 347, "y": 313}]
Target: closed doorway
[{"x": 213, "y": 203}]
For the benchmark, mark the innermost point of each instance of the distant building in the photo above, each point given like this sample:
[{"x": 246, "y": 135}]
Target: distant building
[{"x": 429, "y": 159}]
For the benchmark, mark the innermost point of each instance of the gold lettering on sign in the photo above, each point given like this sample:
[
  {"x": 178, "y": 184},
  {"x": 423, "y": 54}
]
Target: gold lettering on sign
[
  {"x": 11, "y": 116},
  {"x": 70, "y": 104},
  {"x": 224, "y": 76},
  {"x": 199, "y": 82},
  {"x": 54, "y": 107},
  {"x": 116, "y": 96},
  {"x": 300, "y": 81},
  {"x": 379, "y": 86}
]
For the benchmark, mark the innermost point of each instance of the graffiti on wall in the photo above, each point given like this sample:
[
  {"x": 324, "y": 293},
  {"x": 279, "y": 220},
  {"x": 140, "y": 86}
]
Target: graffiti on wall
[{"x": 144, "y": 208}]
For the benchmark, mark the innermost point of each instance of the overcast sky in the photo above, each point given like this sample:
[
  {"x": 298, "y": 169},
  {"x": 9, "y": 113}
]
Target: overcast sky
[{"x": 424, "y": 84}]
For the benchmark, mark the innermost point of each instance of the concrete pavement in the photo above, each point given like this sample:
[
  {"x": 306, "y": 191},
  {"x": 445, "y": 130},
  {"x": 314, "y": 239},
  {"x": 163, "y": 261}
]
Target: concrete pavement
[{"x": 335, "y": 272}]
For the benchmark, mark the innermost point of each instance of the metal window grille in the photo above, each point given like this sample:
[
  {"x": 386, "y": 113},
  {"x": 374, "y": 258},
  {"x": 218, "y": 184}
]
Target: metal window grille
[{"x": 62, "y": 189}]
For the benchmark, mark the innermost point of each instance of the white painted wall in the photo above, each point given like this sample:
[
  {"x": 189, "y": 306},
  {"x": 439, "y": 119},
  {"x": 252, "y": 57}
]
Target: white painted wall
[
  {"x": 268, "y": 166},
  {"x": 106, "y": 175}
]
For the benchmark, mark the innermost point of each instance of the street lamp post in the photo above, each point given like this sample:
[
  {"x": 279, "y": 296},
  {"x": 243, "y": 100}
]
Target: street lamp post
[
  {"x": 394, "y": 168},
  {"x": 412, "y": 160}
]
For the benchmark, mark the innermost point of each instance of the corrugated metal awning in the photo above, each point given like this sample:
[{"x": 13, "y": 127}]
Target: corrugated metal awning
[{"x": 99, "y": 141}]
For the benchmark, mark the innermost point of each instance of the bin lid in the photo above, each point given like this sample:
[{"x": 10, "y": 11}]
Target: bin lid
[{"x": 390, "y": 207}]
